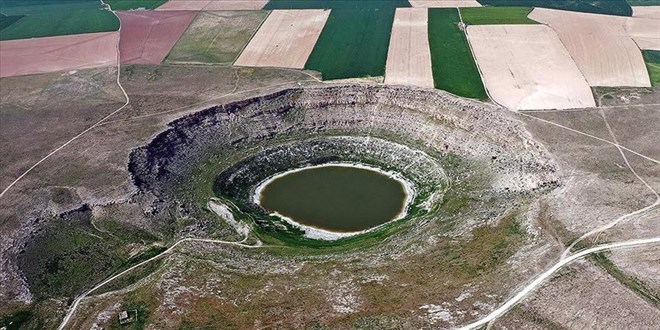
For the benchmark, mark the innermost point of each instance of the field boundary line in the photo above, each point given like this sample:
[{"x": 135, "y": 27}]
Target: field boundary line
[
  {"x": 20, "y": 177},
  {"x": 251, "y": 37}
]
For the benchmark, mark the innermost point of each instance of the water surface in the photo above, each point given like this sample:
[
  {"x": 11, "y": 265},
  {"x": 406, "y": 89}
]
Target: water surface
[{"x": 336, "y": 198}]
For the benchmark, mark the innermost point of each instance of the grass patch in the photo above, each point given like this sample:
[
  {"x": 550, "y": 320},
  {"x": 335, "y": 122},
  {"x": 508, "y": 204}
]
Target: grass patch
[
  {"x": 17, "y": 320},
  {"x": 60, "y": 22},
  {"x": 609, "y": 7},
  {"x": 652, "y": 59},
  {"x": 134, "y": 4},
  {"x": 644, "y": 2},
  {"x": 6, "y": 21},
  {"x": 454, "y": 69},
  {"x": 631, "y": 282},
  {"x": 216, "y": 37},
  {"x": 496, "y": 15},
  {"x": 353, "y": 44}
]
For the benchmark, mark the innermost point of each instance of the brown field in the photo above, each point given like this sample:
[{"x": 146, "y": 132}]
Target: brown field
[
  {"x": 646, "y": 11},
  {"x": 409, "y": 55},
  {"x": 645, "y": 31},
  {"x": 50, "y": 54},
  {"x": 285, "y": 39},
  {"x": 213, "y": 5},
  {"x": 444, "y": 3},
  {"x": 600, "y": 46},
  {"x": 148, "y": 36},
  {"x": 525, "y": 67}
]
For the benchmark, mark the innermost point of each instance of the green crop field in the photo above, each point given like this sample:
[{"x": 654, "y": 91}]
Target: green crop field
[
  {"x": 46, "y": 18},
  {"x": 336, "y": 4},
  {"x": 6, "y": 21},
  {"x": 644, "y": 2},
  {"x": 134, "y": 4},
  {"x": 610, "y": 7},
  {"x": 496, "y": 15},
  {"x": 652, "y": 58},
  {"x": 454, "y": 69},
  {"x": 353, "y": 44},
  {"x": 216, "y": 36}
]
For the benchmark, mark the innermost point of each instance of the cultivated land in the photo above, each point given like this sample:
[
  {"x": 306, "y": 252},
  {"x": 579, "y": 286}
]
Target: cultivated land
[
  {"x": 148, "y": 36},
  {"x": 409, "y": 55},
  {"x": 353, "y": 44},
  {"x": 285, "y": 39},
  {"x": 337, "y": 4},
  {"x": 603, "y": 51},
  {"x": 644, "y": 31},
  {"x": 50, "y": 54},
  {"x": 213, "y": 5},
  {"x": 652, "y": 59},
  {"x": 647, "y": 12},
  {"x": 45, "y": 18},
  {"x": 134, "y": 4},
  {"x": 496, "y": 15},
  {"x": 609, "y": 7},
  {"x": 526, "y": 67},
  {"x": 216, "y": 37},
  {"x": 454, "y": 69},
  {"x": 444, "y": 3}
]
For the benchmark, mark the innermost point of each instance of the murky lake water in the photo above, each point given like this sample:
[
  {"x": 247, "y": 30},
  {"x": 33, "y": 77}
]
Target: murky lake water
[{"x": 335, "y": 198}]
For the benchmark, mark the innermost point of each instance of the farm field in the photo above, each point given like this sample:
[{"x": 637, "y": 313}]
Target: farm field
[
  {"x": 43, "y": 18},
  {"x": 50, "y": 54},
  {"x": 652, "y": 59},
  {"x": 134, "y": 4},
  {"x": 213, "y": 5},
  {"x": 409, "y": 56},
  {"x": 609, "y": 7},
  {"x": 600, "y": 46},
  {"x": 216, "y": 36},
  {"x": 353, "y": 44},
  {"x": 444, "y": 3},
  {"x": 496, "y": 15},
  {"x": 645, "y": 31},
  {"x": 454, "y": 69},
  {"x": 647, "y": 11},
  {"x": 148, "y": 36},
  {"x": 285, "y": 39},
  {"x": 642, "y": 3},
  {"x": 526, "y": 67},
  {"x": 336, "y": 4}
]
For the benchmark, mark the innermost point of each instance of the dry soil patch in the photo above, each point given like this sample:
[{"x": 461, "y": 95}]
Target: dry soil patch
[
  {"x": 213, "y": 5},
  {"x": 646, "y": 11},
  {"x": 285, "y": 39},
  {"x": 526, "y": 67},
  {"x": 50, "y": 54},
  {"x": 600, "y": 46},
  {"x": 409, "y": 55}
]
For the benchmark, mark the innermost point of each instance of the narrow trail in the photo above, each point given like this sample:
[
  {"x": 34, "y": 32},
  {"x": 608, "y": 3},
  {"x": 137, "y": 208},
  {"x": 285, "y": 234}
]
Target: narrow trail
[
  {"x": 20, "y": 177},
  {"x": 548, "y": 273},
  {"x": 76, "y": 302}
]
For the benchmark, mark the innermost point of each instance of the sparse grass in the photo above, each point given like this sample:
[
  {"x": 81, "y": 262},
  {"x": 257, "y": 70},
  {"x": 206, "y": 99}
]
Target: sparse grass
[
  {"x": 454, "y": 69},
  {"x": 631, "y": 282},
  {"x": 496, "y": 15},
  {"x": 216, "y": 37},
  {"x": 652, "y": 59}
]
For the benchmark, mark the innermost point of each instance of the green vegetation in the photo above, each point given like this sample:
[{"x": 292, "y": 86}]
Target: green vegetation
[
  {"x": 644, "y": 2},
  {"x": 652, "y": 59},
  {"x": 336, "y": 4},
  {"x": 496, "y": 15},
  {"x": 609, "y": 7},
  {"x": 454, "y": 69},
  {"x": 631, "y": 282},
  {"x": 17, "y": 320},
  {"x": 353, "y": 44},
  {"x": 216, "y": 37},
  {"x": 46, "y": 18},
  {"x": 134, "y": 4},
  {"x": 6, "y": 21}
]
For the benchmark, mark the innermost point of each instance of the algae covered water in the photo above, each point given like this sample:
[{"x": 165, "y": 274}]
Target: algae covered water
[{"x": 335, "y": 198}]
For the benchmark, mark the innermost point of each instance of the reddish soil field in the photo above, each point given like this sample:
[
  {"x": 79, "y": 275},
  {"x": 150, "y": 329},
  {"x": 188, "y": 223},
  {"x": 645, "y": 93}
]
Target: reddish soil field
[
  {"x": 148, "y": 36},
  {"x": 50, "y": 54}
]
